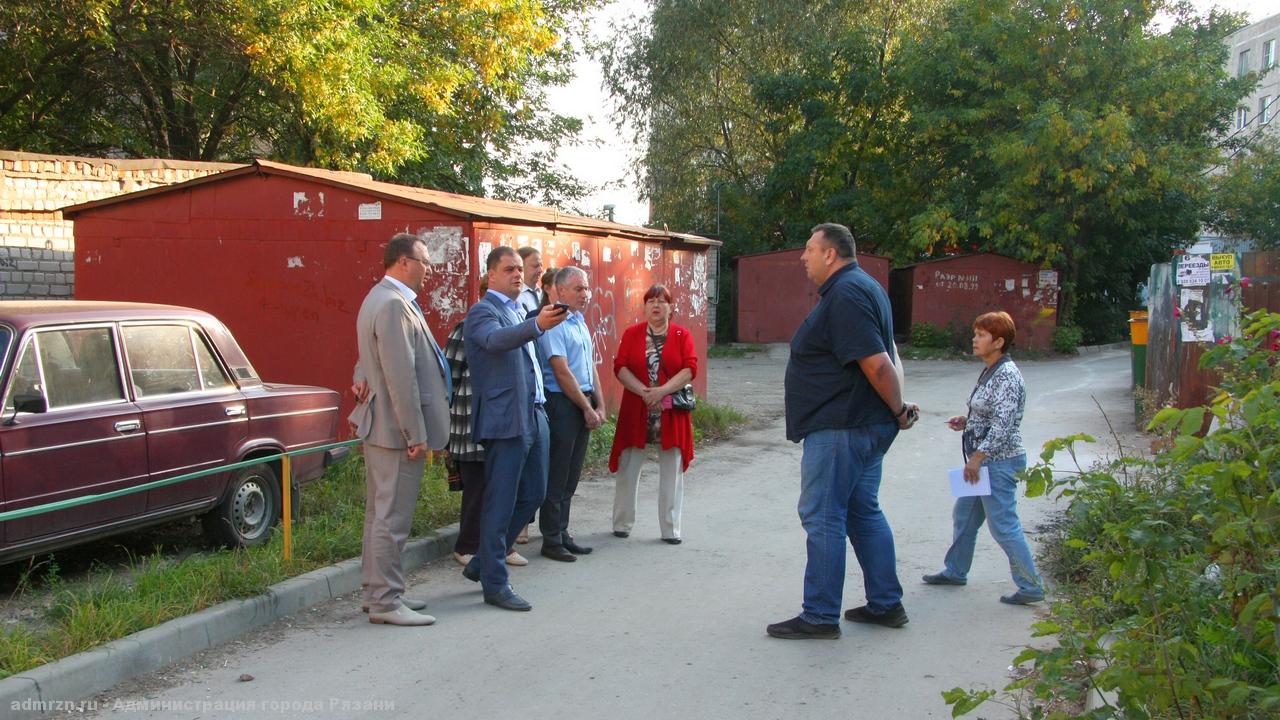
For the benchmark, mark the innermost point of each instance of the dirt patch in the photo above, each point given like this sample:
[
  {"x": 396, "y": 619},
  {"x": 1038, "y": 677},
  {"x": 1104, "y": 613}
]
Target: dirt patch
[{"x": 752, "y": 385}]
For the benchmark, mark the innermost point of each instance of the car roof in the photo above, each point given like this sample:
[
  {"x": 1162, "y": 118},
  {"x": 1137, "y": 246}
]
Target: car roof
[{"x": 26, "y": 313}]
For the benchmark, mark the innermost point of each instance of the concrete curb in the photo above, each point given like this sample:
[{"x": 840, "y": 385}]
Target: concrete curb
[{"x": 63, "y": 685}]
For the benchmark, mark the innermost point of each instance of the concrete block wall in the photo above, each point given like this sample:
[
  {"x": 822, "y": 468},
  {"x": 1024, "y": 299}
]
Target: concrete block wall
[
  {"x": 36, "y": 273},
  {"x": 37, "y": 245}
]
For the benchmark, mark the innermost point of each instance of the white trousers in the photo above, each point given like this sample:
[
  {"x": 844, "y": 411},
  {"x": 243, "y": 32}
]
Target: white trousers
[{"x": 670, "y": 490}]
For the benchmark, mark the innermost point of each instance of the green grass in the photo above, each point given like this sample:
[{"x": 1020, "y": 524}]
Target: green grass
[
  {"x": 733, "y": 351},
  {"x": 714, "y": 422},
  {"x": 157, "y": 588},
  {"x": 598, "y": 447}
]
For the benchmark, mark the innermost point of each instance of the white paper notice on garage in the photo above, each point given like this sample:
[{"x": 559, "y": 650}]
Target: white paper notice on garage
[
  {"x": 1193, "y": 271},
  {"x": 369, "y": 211},
  {"x": 1197, "y": 326}
]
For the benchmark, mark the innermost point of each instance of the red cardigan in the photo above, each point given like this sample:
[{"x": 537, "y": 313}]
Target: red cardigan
[{"x": 633, "y": 416}]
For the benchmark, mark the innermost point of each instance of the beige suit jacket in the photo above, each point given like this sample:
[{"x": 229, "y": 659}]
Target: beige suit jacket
[{"x": 407, "y": 402}]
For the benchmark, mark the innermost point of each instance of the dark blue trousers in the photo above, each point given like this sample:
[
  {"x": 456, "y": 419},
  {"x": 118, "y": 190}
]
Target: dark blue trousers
[{"x": 515, "y": 484}]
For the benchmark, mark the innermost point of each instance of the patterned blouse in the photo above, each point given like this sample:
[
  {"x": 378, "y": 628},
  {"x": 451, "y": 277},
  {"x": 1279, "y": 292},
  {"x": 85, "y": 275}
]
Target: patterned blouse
[
  {"x": 995, "y": 412},
  {"x": 653, "y": 345},
  {"x": 461, "y": 447}
]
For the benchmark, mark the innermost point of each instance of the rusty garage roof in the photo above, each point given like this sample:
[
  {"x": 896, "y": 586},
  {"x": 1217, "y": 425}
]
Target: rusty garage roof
[{"x": 466, "y": 206}]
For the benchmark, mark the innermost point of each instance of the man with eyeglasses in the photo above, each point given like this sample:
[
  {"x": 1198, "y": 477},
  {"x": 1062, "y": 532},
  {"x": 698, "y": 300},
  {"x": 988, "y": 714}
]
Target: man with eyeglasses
[
  {"x": 508, "y": 419},
  {"x": 403, "y": 388}
]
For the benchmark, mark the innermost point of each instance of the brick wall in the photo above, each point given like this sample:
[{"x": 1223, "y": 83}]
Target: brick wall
[{"x": 36, "y": 245}]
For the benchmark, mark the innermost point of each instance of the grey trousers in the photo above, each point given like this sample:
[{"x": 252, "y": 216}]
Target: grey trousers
[
  {"x": 670, "y": 490},
  {"x": 392, "y": 481}
]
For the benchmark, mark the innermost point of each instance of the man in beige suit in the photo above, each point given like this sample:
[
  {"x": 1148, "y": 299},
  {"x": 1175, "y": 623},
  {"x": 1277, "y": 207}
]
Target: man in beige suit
[{"x": 404, "y": 412}]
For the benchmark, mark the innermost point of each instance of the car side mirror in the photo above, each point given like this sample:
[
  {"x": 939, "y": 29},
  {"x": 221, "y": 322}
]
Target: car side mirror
[{"x": 32, "y": 403}]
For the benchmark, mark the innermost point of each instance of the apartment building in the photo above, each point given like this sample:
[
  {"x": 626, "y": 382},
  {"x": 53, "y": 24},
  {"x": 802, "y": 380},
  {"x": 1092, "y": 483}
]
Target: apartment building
[{"x": 1256, "y": 49}]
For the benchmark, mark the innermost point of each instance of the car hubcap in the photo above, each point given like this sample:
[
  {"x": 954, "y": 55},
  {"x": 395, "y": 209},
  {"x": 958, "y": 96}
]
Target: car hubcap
[{"x": 250, "y": 509}]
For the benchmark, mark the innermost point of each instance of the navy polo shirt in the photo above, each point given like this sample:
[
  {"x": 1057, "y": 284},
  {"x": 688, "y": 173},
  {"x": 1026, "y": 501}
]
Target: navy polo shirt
[{"x": 824, "y": 387}]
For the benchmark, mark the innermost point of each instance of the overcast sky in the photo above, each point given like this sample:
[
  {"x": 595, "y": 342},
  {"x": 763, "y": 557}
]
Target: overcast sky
[{"x": 608, "y": 163}]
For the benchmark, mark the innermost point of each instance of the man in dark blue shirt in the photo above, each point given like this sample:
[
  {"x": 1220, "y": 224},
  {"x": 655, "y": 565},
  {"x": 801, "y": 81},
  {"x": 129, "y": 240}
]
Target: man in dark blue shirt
[{"x": 844, "y": 400}]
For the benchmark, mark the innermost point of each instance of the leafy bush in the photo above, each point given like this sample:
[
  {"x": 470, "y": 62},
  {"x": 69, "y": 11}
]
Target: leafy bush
[
  {"x": 928, "y": 335},
  {"x": 1066, "y": 339},
  {"x": 1169, "y": 568}
]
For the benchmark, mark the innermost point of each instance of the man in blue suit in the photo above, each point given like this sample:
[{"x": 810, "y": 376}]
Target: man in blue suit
[{"x": 508, "y": 419}]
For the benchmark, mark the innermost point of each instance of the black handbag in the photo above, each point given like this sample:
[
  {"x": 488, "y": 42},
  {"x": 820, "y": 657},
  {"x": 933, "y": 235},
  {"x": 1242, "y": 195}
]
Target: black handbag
[{"x": 684, "y": 399}]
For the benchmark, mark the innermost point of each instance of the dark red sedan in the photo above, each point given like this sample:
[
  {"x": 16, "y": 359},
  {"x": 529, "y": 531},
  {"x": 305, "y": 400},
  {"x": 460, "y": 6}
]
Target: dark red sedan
[{"x": 101, "y": 396}]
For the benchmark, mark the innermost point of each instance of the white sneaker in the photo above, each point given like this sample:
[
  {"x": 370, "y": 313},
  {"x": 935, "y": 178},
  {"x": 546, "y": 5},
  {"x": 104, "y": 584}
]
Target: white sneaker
[
  {"x": 462, "y": 559},
  {"x": 516, "y": 559},
  {"x": 401, "y": 616}
]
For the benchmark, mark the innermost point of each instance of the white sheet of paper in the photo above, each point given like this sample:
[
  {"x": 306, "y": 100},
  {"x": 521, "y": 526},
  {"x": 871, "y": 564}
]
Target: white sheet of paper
[{"x": 960, "y": 488}]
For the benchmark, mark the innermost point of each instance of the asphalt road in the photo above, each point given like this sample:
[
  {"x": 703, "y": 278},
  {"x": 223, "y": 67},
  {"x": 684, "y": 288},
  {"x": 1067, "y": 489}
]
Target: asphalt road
[{"x": 641, "y": 629}]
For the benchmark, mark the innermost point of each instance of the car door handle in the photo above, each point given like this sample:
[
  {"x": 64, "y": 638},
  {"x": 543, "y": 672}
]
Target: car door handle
[
  {"x": 125, "y": 426},
  {"x": 235, "y": 411}
]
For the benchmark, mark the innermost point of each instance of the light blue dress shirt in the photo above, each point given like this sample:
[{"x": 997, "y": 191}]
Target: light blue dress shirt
[{"x": 572, "y": 341}]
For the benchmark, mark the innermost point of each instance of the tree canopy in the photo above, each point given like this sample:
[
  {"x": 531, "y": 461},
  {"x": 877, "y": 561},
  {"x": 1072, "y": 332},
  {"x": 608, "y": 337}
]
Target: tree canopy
[
  {"x": 437, "y": 90},
  {"x": 1246, "y": 195},
  {"x": 1070, "y": 133}
]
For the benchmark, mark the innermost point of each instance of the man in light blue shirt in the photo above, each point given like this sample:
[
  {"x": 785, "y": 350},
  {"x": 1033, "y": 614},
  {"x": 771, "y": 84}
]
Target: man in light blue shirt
[{"x": 575, "y": 407}]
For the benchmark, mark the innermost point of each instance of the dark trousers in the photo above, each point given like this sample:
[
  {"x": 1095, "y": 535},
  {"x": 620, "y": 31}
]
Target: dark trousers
[
  {"x": 515, "y": 471},
  {"x": 569, "y": 436},
  {"x": 472, "y": 474}
]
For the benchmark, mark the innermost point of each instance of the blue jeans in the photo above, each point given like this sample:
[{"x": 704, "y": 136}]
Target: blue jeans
[
  {"x": 515, "y": 472},
  {"x": 1000, "y": 507},
  {"x": 839, "y": 484}
]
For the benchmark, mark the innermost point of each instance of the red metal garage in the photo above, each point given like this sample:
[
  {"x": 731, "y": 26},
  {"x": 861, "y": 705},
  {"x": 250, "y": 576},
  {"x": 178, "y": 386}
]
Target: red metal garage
[
  {"x": 950, "y": 292},
  {"x": 284, "y": 256},
  {"x": 774, "y": 295}
]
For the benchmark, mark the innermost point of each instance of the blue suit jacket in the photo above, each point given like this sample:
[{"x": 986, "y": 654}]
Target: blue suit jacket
[{"x": 503, "y": 383}]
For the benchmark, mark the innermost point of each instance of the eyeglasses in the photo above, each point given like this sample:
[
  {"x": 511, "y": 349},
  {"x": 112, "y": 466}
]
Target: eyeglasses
[{"x": 425, "y": 263}]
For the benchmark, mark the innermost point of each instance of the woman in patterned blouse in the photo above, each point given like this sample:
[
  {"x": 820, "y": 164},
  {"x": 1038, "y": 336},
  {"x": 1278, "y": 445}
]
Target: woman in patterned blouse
[{"x": 991, "y": 439}]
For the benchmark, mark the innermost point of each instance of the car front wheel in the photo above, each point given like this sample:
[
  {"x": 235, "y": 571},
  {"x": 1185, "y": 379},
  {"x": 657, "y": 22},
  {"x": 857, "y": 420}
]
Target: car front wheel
[{"x": 248, "y": 510}]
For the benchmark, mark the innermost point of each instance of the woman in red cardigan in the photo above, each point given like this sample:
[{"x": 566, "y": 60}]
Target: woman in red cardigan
[{"x": 655, "y": 359}]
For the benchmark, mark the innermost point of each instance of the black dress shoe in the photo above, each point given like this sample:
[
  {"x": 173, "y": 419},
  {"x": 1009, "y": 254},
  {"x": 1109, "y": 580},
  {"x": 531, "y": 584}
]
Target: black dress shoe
[
  {"x": 508, "y": 600},
  {"x": 799, "y": 629},
  {"x": 572, "y": 546},
  {"x": 621, "y": 534},
  {"x": 558, "y": 552},
  {"x": 671, "y": 541},
  {"x": 894, "y": 617},
  {"x": 471, "y": 574}
]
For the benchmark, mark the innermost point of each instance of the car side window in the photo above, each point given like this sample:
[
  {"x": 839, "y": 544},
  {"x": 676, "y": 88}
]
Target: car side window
[
  {"x": 79, "y": 367},
  {"x": 161, "y": 359},
  {"x": 211, "y": 375},
  {"x": 26, "y": 376}
]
